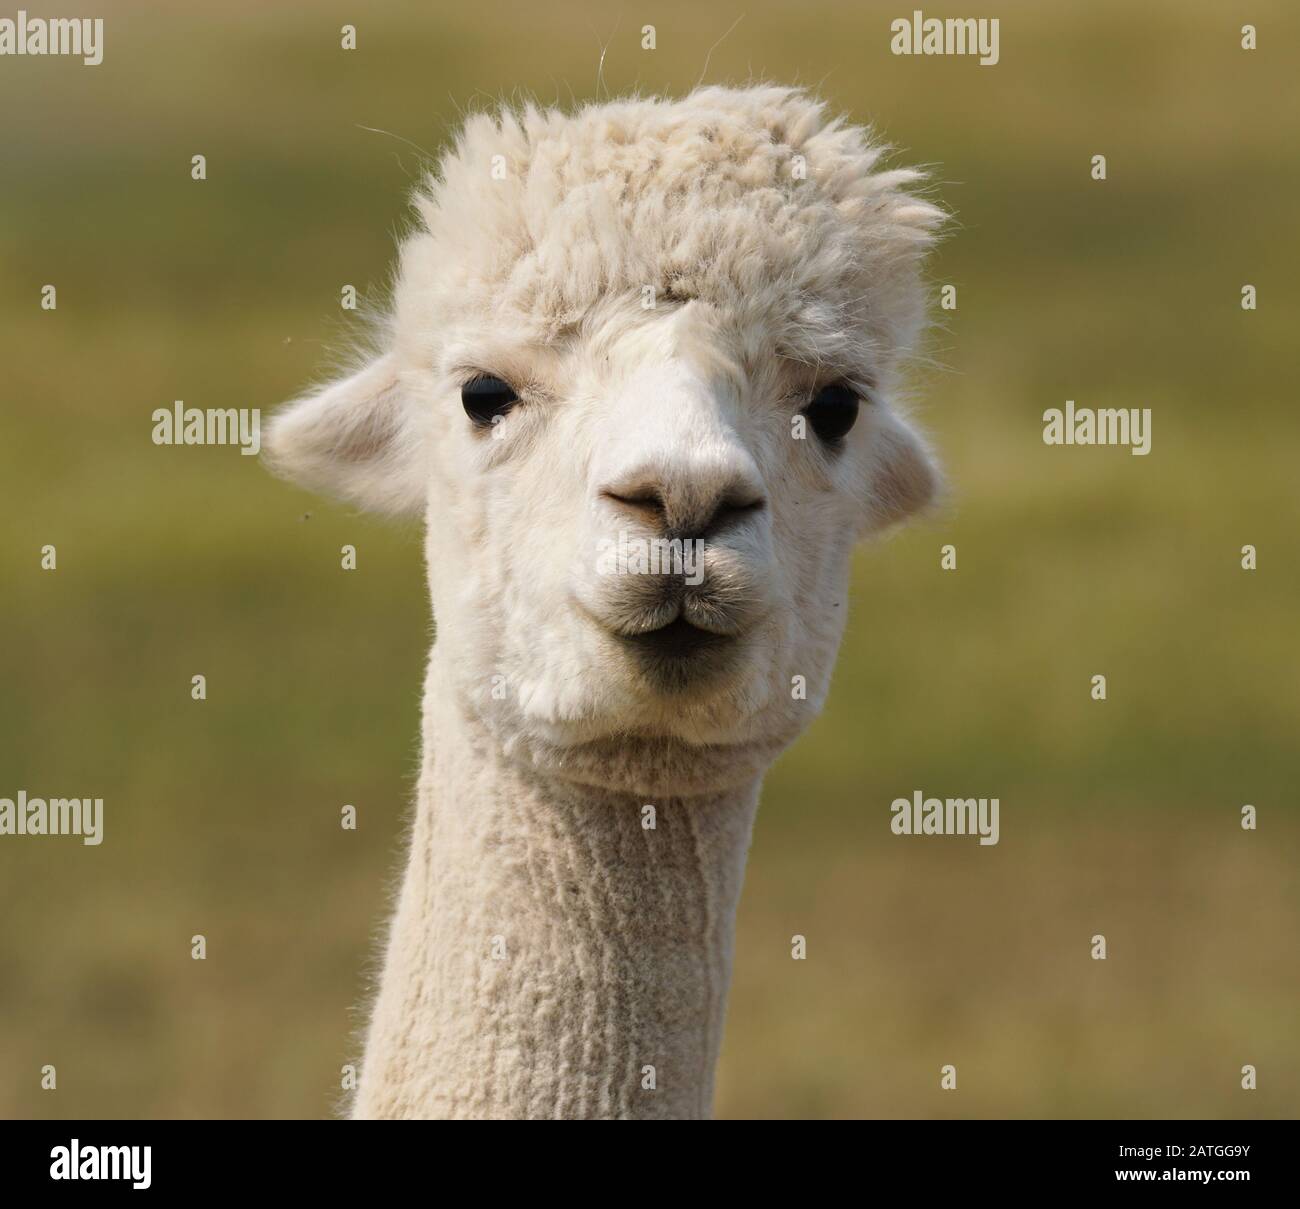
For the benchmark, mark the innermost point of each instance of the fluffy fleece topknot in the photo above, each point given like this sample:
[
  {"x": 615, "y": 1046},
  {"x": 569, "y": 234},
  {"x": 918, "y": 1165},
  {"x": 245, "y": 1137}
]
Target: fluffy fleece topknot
[{"x": 752, "y": 200}]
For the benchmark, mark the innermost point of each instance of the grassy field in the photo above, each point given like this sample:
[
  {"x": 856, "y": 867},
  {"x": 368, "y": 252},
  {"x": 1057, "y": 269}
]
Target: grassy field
[{"x": 1118, "y": 817}]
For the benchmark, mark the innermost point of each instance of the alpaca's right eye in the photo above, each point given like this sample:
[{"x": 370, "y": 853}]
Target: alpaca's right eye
[
  {"x": 485, "y": 398},
  {"x": 833, "y": 411}
]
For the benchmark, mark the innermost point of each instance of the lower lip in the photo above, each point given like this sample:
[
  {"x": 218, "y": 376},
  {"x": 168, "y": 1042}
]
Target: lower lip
[{"x": 677, "y": 640}]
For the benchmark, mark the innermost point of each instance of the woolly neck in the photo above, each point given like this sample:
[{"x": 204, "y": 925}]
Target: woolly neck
[{"x": 558, "y": 951}]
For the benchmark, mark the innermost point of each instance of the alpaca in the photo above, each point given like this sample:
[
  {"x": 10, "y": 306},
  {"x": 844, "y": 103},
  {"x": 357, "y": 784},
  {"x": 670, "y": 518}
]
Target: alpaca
[{"x": 647, "y": 321}]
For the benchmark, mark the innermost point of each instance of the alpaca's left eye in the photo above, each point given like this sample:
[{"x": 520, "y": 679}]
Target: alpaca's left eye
[
  {"x": 833, "y": 411},
  {"x": 485, "y": 398}
]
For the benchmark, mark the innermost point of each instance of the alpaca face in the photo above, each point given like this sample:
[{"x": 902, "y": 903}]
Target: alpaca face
[{"x": 640, "y": 388}]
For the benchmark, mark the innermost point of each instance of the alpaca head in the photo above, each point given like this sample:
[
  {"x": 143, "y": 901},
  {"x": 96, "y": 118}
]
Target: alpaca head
[{"x": 638, "y": 377}]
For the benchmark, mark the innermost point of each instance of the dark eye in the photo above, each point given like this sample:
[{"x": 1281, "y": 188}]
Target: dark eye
[
  {"x": 832, "y": 412},
  {"x": 486, "y": 397}
]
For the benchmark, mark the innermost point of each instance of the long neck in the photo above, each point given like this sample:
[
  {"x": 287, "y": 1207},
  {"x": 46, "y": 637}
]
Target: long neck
[{"x": 552, "y": 954}]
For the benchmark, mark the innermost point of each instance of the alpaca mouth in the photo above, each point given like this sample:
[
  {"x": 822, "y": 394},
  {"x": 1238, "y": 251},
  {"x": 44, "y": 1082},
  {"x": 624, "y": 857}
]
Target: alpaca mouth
[
  {"x": 678, "y": 646},
  {"x": 677, "y": 659},
  {"x": 677, "y": 640}
]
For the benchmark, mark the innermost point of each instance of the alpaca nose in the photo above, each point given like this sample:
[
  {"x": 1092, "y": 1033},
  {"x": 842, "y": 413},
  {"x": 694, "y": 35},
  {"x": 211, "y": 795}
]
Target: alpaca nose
[{"x": 686, "y": 503}]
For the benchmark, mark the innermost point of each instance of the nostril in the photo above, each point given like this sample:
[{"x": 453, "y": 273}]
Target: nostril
[
  {"x": 644, "y": 501},
  {"x": 734, "y": 509}
]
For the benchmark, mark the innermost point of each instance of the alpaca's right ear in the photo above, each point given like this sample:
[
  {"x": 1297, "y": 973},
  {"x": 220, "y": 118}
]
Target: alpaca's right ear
[{"x": 357, "y": 438}]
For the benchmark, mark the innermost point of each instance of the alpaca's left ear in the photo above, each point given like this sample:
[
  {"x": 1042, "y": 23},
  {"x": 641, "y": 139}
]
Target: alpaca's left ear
[
  {"x": 358, "y": 438},
  {"x": 904, "y": 477}
]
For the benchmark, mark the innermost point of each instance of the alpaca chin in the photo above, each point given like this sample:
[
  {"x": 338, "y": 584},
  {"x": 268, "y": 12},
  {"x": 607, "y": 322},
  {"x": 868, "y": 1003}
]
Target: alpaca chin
[{"x": 651, "y": 743}]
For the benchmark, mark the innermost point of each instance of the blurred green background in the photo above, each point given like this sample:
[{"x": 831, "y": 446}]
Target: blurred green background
[{"x": 222, "y": 817}]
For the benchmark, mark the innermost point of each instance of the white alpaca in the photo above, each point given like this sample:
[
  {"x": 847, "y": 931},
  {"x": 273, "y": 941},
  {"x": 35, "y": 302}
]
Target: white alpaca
[{"x": 645, "y": 320}]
